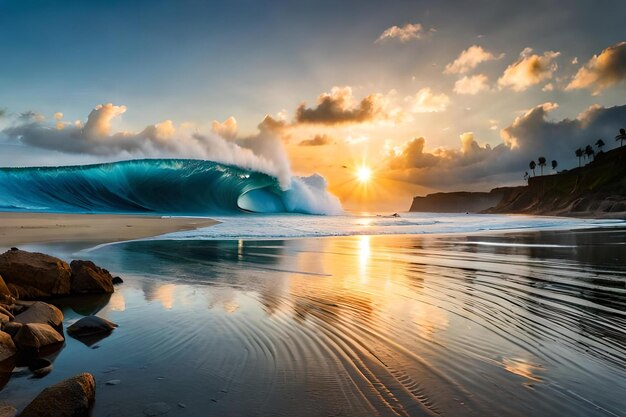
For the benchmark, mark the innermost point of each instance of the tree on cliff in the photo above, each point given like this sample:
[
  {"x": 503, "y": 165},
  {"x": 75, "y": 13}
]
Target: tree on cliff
[
  {"x": 589, "y": 152},
  {"x": 542, "y": 163},
  {"x": 579, "y": 154},
  {"x": 621, "y": 137},
  {"x": 532, "y": 166},
  {"x": 600, "y": 144},
  {"x": 554, "y": 164}
]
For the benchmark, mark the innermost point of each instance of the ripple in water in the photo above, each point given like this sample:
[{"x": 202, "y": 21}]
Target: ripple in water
[{"x": 517, "y": 324}]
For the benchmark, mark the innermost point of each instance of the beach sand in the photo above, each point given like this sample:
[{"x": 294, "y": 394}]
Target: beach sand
[{"x": 91, "y": 229}]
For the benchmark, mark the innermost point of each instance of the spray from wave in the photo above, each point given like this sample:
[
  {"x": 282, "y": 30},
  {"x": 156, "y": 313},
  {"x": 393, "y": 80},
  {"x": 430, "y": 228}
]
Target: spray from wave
[{"x": 226, "y": 173}]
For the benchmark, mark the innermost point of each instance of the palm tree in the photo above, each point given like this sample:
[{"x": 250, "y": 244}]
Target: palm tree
[
  {"x": 532, "y": 166},
  {"x": 621, "y": 137},
  {"x": 589, "y": 152},
  {"x": 542, "y": 163},
  {"x": 526, "y": 176},
  {"x": 554, "y": 164},
  {"x": 600, "y": 144},
  {"x": 579, "y": 154}
]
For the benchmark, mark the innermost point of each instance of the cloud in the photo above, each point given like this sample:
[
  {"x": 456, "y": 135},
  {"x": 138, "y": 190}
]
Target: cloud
[
  {"x": 263, "y": 152},
  {"x": 470, "y": 59},
  {"x": 226, "y": 129},
  {"x": 472, "y": 85},
  {"x": 340, "y": 107},
  {"x": 476, "y": 166},
  {"x": 602, "y": 71},
  {"x": 426, "y": 101},
  {"x": 317, "y": 140},
  {"x": 406, "y": 33},
  {"x": 530, "y": 69}
]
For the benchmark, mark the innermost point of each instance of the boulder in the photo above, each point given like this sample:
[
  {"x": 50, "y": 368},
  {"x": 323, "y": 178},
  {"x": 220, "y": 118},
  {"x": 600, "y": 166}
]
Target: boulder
[
  {"x": 91, "y": 326},
  {"x": 5, "y": 310},
  {"x": 35, "y": 336},
  {"x": 12, "y": 328},
  {"x": 40, "y": 367},
  {"x": 40, "y": 312},
  {"x": 117, "y": 281},
  {"x": 7, "y": 347},
  {"x": 30, "y": 275},
  {"x": 5, "y": 294},
  {"x": 7, "y": 411},
  {"x": 71, "y": 397},
  {"x": 87, "y": 277}
]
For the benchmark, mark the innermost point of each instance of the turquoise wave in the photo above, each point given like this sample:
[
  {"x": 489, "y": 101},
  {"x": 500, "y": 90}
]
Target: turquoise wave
[{"x": 164, "y": 186}]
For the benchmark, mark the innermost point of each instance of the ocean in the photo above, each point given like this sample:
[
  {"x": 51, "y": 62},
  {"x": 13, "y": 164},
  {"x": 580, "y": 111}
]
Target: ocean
[{"x": 422, "y": 314}]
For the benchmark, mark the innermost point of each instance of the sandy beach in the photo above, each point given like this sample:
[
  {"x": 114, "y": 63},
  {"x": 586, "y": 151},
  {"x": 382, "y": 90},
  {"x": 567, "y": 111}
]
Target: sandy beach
[{"x": 22, "y": 228}]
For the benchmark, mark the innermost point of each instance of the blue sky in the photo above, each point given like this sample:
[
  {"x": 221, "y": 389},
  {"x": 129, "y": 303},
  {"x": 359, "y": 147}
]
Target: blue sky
[{"x": 193, "y": 62}]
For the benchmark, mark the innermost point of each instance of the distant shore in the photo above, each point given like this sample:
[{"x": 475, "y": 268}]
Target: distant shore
[{"x": 23, "y": 228}]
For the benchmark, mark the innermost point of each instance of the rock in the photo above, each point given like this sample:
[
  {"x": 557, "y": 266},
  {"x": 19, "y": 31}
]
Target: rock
[
  {"x": 89, "y": 278},
  {"x": 7, "y": 347},
  {"x": 5, "y": 310},
  {"x": 30, "y": 275},
  {"x": 91, "y": 326},
  {"x": 7, "y": 411},
  {"x": 5, "y": 294},
  {"x": 40, "y": 367},
  {"x": 40, "y": 312},
  {"x": 36, "y": 336},
  {"x": 12, "y": 328},
  {"x": 117, "y": 281},
  {"x": 156, "y": 409},
  {"x": 91, "y": 329},
  {"x": 72, "y": 397}
]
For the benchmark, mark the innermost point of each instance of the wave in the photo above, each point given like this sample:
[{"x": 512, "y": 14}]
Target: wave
[{"x": 164, "y": 186}]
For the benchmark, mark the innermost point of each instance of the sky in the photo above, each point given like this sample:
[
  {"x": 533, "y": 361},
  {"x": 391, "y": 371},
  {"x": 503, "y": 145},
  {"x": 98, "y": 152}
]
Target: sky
[{"x": 430, "y": 95}]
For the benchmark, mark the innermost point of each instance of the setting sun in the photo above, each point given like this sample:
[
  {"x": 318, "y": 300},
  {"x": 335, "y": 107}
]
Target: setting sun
[{"x": 364, "y": 174}]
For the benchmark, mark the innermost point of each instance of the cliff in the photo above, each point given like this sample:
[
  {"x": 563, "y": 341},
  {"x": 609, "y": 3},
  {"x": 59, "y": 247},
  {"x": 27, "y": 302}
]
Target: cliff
[
  {"x": 458, "y": 202},
  {"x": 597, "y": 189}
]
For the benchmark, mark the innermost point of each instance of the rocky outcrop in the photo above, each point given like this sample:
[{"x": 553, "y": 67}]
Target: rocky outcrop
[
  {"x": 40, "y": 312},
  {"x": 5, "y": 294},
  {"x": 31, "y": 275},
  {"x": 7, "y": 347},
  {"x": 35, "y": 336},
  {"x": 595, "y": 190},
  {"x": 457, "y": 202},
  {"x": 7, "y": 411},
  {"x": 87, "y": 277},
  {"x": 72, "y": 397}
]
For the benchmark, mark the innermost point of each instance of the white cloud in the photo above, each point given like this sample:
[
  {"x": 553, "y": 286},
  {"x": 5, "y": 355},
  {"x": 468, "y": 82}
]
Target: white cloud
[
  {"x": 472, "y": 85},
  {"x": 602, "y": 71},
  {"x": 470, "y": 59},
  {"x": 426, "y": 101},
  {"x": 406, "y": 33},
  {"x": 530, "y": 69},
  {"x": 226, "y": 129}
]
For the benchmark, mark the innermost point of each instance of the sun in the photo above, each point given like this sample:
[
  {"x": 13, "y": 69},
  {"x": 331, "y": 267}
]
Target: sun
[{"x": 364, "y": 174}]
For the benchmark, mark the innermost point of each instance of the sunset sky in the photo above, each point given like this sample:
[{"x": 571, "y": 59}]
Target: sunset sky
[{"x": 431, "y": 95}]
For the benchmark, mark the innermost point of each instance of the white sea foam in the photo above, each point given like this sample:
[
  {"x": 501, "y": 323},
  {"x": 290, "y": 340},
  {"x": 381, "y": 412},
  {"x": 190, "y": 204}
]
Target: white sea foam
[{"x": 277, "y": 226}]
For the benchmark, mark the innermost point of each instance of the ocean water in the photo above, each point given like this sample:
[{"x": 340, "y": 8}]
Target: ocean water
[
  {"x": 281, "y": 225},
  {"x": 507, "y": 316}
]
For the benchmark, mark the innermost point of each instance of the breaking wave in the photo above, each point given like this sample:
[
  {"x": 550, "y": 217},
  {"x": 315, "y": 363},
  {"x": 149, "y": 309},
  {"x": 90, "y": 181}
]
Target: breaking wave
[{"x": 165, "y": 186}]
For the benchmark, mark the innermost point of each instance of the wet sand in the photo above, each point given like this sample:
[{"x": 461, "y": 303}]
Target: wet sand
[
  {"x": 493, "y": 324},
  {"x": 90, "y": 229}
]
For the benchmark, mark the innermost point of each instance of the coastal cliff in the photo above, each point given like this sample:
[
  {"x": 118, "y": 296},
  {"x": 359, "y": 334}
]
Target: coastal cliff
[
  {"x": 597, "y": 189},
  {"x": 458, "y": 202}
]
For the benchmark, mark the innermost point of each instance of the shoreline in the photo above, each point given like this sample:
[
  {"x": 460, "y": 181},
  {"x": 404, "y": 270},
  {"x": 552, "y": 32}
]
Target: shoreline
[{"x": 18, "y": 228}]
